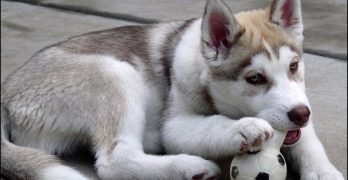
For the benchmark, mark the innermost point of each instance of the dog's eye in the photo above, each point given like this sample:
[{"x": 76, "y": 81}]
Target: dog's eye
[
  {"x": 256, "y": 79},
  {"x": 293, "y": 67}
]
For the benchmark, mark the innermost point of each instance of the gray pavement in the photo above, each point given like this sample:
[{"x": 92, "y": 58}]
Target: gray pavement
[
  {"x": 27, "y": 28},
  {"x": 325, "y": 21}
]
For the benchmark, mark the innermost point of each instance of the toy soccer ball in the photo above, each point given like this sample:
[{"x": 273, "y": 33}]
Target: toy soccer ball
[
  {"x": 267, "y": 164},
  {"x": 264, "y": 165}
]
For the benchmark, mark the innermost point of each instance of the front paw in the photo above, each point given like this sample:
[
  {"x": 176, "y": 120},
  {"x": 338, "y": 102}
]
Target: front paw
[
  {"x": 252, "y": 132},
  {"x": 323, "y": 174}
]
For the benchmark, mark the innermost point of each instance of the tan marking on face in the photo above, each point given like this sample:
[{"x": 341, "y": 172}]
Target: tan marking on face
[{"x": 259, "y": 29}]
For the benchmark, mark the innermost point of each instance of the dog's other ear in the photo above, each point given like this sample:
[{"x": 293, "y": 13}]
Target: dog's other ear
[
  {"x": 220, "y": 30},
  {"x": 287, "y": 14}
]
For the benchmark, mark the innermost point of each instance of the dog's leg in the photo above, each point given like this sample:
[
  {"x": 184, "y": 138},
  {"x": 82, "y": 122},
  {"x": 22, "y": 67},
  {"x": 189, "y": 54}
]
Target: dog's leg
[
  {"x": 210, "y": 136},
  {"x": 214, "y": 136},
  {"x": 20, "y": 162},
  {"x": 308, "y": 157},
  {"x": 119, "y": 134}
]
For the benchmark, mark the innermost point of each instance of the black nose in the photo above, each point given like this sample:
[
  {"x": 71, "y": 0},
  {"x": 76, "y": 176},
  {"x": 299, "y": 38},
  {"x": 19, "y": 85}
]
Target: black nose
[{"x": 299, "y": 115}]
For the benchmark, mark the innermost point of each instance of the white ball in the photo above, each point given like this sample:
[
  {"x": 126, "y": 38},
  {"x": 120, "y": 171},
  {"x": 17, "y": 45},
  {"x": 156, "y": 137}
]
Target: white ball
[{"x": 268, "y": 164}]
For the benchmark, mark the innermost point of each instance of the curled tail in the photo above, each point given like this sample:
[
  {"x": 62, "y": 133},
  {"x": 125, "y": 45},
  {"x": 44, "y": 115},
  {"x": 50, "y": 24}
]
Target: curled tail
[{"x": 27, "y": 163}]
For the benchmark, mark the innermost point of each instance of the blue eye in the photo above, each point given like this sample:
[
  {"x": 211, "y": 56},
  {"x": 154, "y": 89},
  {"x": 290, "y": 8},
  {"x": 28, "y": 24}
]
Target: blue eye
[
  {"x": 256, "y": 79},
  {"x": 293, "y": 67}
]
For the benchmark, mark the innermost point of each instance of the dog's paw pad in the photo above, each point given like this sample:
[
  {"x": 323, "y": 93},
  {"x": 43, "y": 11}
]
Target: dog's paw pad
[{"x": 198, "y": 176}]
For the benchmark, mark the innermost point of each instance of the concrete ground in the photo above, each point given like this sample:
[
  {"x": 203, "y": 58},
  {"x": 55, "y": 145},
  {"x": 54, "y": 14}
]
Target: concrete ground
[{"x": 31, "y": 25}]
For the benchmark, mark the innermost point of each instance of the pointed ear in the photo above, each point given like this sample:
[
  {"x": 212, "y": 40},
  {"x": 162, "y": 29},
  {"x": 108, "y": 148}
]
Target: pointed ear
[
  {"x": 220, "y": 30},
  {"x": 287, "y": 14}
]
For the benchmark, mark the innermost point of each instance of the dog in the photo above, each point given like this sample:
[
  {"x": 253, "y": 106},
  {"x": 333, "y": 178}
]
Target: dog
[{"x": 196, "y": 90}]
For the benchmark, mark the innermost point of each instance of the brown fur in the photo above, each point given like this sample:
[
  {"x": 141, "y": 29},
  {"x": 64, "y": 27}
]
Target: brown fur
[{"x": 258, "y": 27}]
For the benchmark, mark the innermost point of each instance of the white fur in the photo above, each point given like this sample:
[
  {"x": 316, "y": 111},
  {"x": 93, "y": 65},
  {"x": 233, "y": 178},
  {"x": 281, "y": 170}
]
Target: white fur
[
  {"x": 60, "y": 172},
  {"x": 189, "y": 63},
  {"x": 285, "y": 94}
]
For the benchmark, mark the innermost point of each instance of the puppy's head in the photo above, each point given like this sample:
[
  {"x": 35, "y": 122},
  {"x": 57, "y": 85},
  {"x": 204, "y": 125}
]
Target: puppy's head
[{"x": 255, "y": 62}]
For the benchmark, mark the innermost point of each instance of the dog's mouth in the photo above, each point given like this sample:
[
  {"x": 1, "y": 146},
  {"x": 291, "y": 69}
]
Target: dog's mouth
[{"x": 292, "y": 137}]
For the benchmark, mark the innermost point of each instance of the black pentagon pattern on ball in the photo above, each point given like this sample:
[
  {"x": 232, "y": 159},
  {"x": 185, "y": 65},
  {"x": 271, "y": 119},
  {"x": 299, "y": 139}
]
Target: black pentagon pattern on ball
[
  {"x": 262, "y": 176},
  {"x": 235, "y": 172},
  {"x": 281, "y": 159}
]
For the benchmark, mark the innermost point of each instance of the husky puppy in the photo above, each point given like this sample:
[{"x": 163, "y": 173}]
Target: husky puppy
[{"x": 199, "y": 90}]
